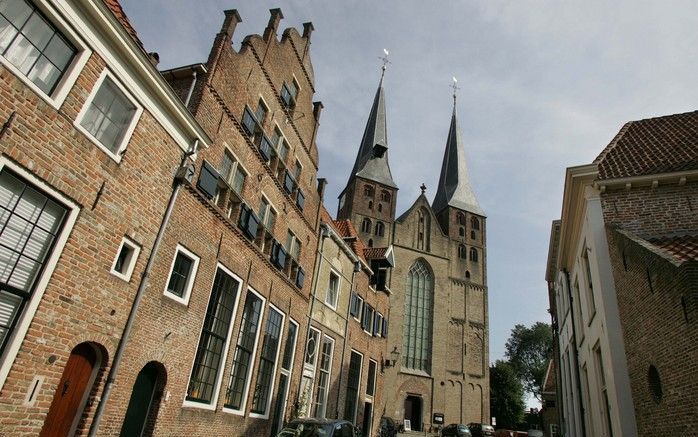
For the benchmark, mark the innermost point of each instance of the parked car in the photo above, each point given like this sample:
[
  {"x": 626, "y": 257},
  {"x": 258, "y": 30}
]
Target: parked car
[
  {"x": 504, "y": 433},
  {"x": 388, "y": 427},
  {"x": 481, "y": 429},
  {"x": 309, "y": 427},
  {"x": 456, "y": 430}
]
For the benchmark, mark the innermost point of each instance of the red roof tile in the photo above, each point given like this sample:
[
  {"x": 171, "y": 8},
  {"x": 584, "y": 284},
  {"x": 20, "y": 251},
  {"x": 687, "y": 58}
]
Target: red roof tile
[
  {"x": 652, "y": 146},
  {"x": 375, "y": 252},
  {"x": 682, "y": 248},
  {"x": 120, "y": 15}
]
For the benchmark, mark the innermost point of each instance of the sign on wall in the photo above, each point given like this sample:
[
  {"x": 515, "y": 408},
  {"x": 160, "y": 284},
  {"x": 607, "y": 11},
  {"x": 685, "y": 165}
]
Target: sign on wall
[{"x": 438, "y": 419}]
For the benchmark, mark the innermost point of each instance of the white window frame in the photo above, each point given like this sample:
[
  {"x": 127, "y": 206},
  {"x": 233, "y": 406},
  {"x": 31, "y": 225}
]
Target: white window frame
[
  {"x": 126, "y": 276},
  {"x": 370, "y": 323},
  {"x": 361, "y": 309},
  {"x": 129, "y": 130},
  {"x": 309, "y": 370},
  {"x": 270, "y": 396},
  {"x": 358, "y": 389},
  {"x": 17, "y": 337},
  {"x": 329, "y": 374},
  {"x": 327, "y": 292},
  {"x": 253, "y": 357},
  {"x": 71, "y": 74},
  {"x": 190, "y": 281},
  {"x": 219, "y": 377},
  {"x": 271, "y": 206},
  {"x": 288, "y": 371},
  {"x": 237, "y": 165}
]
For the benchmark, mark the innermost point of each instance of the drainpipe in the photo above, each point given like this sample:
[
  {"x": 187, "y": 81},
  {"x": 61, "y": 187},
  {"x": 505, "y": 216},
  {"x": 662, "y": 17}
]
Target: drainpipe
[
  {"x": 191, "y": 88},
  {"x": 576, "y": 354},
  {"x": 357, "y": 268},
  {"x": 118, "y": 355}
]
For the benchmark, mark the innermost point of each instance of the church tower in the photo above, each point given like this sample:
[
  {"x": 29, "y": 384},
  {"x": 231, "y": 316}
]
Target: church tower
[{"x": 369, "y": 198}]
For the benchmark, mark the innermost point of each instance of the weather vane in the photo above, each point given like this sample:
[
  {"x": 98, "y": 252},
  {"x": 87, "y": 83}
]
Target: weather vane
[
  {"x": 385, "y": 62},
  {"x": 455, "y": 88}
]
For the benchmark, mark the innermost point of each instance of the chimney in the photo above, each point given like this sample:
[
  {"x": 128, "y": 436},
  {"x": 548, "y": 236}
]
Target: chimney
[
  {"x": 321, "y": 184},
  {"x": 308, "y": 29},
  {"x": 317, "y": 109},
  {"x": 273, "y": 25},
  {"x": 232, "y": 18},
  {"x": 154, "y": 58}
]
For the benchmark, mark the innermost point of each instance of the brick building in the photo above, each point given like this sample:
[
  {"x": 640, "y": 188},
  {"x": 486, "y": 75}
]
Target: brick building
[
  {"x": 437, "y": 349},
  {"x": 638, "y": 273},
  {"x": 92, "y": 137}
]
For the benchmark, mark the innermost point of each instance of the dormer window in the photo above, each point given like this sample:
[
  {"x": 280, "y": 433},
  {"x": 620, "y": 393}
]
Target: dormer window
[{"x": 379, "y": 150}]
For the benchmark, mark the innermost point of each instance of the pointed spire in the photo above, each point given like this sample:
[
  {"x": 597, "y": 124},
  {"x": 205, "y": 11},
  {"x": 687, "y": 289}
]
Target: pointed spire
[
  {"x": 372, "y": 159},
  {"x": 454, "y": 187}
]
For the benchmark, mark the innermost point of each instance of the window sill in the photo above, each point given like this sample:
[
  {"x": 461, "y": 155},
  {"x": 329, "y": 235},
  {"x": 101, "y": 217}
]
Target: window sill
[
  {"x": 198, "y": 405},
  {"x": 229, "y": 410},
  {"x": 122, "y": 276},
  {"x": 180, "y": 300},
  {"x": 414, "y": 372}
]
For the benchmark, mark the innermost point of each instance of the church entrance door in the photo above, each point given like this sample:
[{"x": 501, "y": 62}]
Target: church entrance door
[{"x": 413, "y": 411}]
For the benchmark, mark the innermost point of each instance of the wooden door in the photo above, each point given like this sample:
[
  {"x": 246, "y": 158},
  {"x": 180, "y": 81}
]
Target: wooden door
[
  {"x": 141, "y": 403},
  {"x": 70, "y": 392}
]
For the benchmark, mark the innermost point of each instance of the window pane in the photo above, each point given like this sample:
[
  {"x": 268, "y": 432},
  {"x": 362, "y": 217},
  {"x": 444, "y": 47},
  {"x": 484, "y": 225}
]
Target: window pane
[
  {"x": 180, "y": 274},
  {"x": 243, "y": 351},
  {"x": 22, "y": 54},
  {"x": 109, "y": 115},
  {"x": 59, "y": 52},
  {"x": 38, "y": 31},
  {"x": 290, "y": 344},
  {"x": 17, "y": 11},
  {"x": 267, "y": 362},
  {"x": 7, "y": 32},
  {"x": 238, "y": 181},
  {"x": 44, "y": 74}
]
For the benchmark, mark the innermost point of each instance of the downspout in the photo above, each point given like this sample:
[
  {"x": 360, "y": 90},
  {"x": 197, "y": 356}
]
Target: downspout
[
  {"x": 118, "y": 355},
  {"x": 576, "y": 354},
  {"x": 357, "y": 268},
  {"x": 191, "y": 88}
]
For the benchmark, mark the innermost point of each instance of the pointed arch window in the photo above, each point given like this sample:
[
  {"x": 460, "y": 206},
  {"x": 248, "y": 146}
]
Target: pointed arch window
[
  {"x": 368, "y": 191},
  {"x": 370, "y": 204},
  {"x": 385, "y": 196},
  {"x": 475, "y": 223},
  {"x": 416, "y": 334},
  {"x": 461, "y": 218},
  {"x": 423, "y": 229},
  {"x": 461, "y": 231},
  {"x": 380, "y": 207},
  {"x": 366, "y": 225},
  {"x": 462, "y": 252},
  {"x": 473, "y": 254},
  {"x": 380, "y": 229}
]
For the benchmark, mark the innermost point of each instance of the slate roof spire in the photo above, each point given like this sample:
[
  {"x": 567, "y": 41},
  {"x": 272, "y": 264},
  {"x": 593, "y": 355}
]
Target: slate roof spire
[
  {"x": 372, "y": 159},
  {"x": 454, "y": 187}
]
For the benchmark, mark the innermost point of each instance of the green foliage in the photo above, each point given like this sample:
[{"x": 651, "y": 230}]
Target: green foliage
[
  {"x": 529, "y": 350},
  {"x": 506, "y": 395}
]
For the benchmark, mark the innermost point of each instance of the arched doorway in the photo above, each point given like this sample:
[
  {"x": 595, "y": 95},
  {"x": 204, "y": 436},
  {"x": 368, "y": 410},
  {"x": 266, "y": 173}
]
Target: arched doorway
[
  {"x": 72, "y": 392},
  {"x": 413, "y": 411},
  {"x": 145, "y": 401}
]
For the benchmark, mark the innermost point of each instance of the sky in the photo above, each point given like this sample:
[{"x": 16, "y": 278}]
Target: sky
[{"x": 544, "y": 85}]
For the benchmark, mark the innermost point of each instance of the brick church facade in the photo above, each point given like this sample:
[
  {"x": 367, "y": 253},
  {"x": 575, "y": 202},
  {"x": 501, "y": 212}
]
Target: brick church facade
[{"x": 438, "y": 349}]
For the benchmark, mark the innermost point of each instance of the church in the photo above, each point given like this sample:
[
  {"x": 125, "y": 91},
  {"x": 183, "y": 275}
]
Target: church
[{"x": 437, "y": 356}]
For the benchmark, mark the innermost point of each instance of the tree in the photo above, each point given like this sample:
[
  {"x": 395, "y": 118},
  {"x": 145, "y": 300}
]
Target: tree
[
  {"x": 506, "y": 395},
  {"x": 529, "y": 350}
]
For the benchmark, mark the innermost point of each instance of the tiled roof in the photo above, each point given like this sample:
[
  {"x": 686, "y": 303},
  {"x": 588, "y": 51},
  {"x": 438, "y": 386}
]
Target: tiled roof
[
  {"x": 682, "y": 248},
  {"x": 120, "y": 15},
  {"x": 652, "y": 146},
  {"x": 375, "y": 252}
]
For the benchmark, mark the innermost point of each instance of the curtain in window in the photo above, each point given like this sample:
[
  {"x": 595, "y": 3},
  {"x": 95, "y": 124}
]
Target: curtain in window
[{"x": 416, "y": 336}]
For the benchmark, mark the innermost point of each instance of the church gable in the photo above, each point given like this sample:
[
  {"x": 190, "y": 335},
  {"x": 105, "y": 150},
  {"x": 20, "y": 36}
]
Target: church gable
[{"x": 419, "y": 229}]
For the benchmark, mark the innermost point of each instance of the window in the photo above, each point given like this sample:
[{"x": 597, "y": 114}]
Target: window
[
  {"x": 370, "y": 204},
  {"x": 213, "y": 342},
  {"x": 368, "y": 191},
  {"x": 416, "y": 334},
  {"x": 371, "y": 381},
  {"x": 380, "y": 207},
  {"x": 289, "y": 93},
  {"x": 475, "y": 223},
  {"x": 182, "y": 273},
  {"x": 232, "y": 172},
  {"x": 460, "y": 217},
  {"x": 311, "y": 347},
  {"x": 367, "y": 321},
  {"x": 603, "y": 391},
  {"x": 109, "y": 116},
  {"x": 297, "y": 169},
  {"x": 293, "y": 245},
  {"x": 366, "y": 225},
  {"x": 473, "y": 235},
  {"x": 323, "y": 383},
  {"x": 356, "y": 305},
  {"x": 267, "y": 362},
  {"x": 462, "y": 252},
  {"x": 461, "y": 231},
  {"x": 591, "y": 305},
  {"x": 34, "y": 49},
  {"x": 380, "y": 229},
  {"x": 473, "y": 254},
  {"x": 261, "y": 112},
  {"x": 354, "y": 377},
  {"x": 125, "y": 259},
  {"x": 285, "y": 376},
  {"x": 423, "y": 229},
  {"x": 332, "y": 291},
  {"x": 377, "y": 324},
  {"x": 267, "y": 215},
  {"x": 30, "y": 224},
  {"x": 243, "y": 360},
  {"x": 385, "y": 196}
]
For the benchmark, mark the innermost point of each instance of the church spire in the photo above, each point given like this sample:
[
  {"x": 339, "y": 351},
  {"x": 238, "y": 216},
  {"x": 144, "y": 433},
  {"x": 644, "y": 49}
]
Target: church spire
[
  {"x": 372, "y": 159},
  {"x": 454, "y": 187}
]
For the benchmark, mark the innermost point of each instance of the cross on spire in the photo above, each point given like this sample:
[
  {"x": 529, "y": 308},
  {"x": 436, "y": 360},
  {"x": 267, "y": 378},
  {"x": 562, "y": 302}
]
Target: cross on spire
[
  {"x": 385, "y": 60},
  {"x": 455, "y": 88},
  {"x": 423, "y": 187}
]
